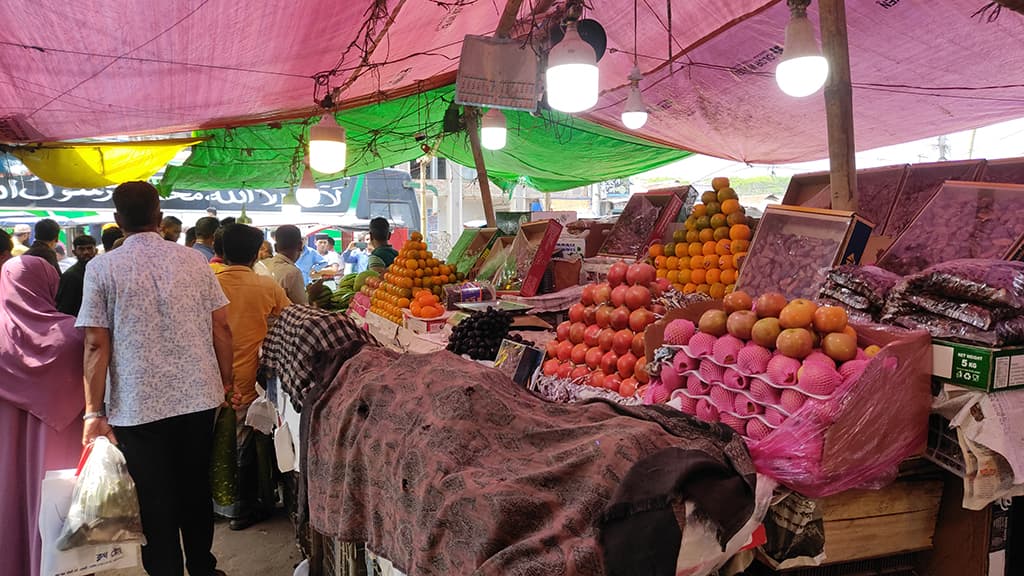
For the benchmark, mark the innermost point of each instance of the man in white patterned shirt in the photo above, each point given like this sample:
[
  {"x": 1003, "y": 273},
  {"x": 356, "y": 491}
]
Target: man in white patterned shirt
[{"x": 168, "y": 356}]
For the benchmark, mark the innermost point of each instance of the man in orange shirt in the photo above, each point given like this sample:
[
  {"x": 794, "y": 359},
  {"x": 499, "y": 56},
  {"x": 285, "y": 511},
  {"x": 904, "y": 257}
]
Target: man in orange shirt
[{"x": 255, "y": 301}]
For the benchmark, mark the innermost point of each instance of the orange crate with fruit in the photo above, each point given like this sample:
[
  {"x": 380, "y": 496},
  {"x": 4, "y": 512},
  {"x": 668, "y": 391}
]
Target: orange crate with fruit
[{"x": 706, "y": 254}]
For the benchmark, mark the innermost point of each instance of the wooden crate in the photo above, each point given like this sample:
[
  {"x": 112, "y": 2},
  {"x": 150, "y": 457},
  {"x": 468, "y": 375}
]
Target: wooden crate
[{"x": 899, "y": 518}]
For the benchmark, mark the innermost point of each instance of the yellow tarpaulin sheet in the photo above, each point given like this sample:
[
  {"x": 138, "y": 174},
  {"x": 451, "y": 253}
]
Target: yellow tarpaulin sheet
[{"x": 96, "y": 165}]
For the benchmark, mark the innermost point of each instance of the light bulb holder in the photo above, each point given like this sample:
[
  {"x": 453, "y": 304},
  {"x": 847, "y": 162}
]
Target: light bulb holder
[
  {"x": 328, "y": 145},
  {"x": 493, "y": 130},
  {"x": 289, "y": 205},
  {"x": 634, "y": 113},
  {"x": 802, "y": 70}
]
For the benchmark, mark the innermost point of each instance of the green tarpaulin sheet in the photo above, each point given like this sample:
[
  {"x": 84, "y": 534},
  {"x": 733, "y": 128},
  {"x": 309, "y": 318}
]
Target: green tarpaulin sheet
[{"x": 550, "y": 152}]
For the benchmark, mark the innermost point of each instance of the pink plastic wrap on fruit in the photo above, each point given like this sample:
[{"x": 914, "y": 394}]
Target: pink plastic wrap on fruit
[{"x": 860, "y": 435}]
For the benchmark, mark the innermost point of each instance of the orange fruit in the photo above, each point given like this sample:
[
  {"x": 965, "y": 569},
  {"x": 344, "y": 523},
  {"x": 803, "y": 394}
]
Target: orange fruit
[
  {"x": 661, "y": 273},
  {"x": 738, "y": 260},
  {"x": 707, "y": 235},
  {"x": 697, "y": 263},
  {"x": 689, "y": 288},
  {"x": 681, "y": 250},
  {"x": 691, "y": 223},
  {"x": 736, "y": 218},
  {"x": 725, "y": 262},
  {"x": 739, "y": 232},
  {"x": 717, "y": 291},
  {"x": 699, "y": 210},
  {"x": 673, "y": 276},
  {"x": 740, "y": 246},
  {"x": 695, "y": 249},
  {"x": 698, "y": 276},
  {"x": 678, "y": 287},
  {"x": 403, "y": 302},
  {"x": 728, "y": 277},
  {"x": 415, "y": 308},
  {"x": 692, "y": 236},
  {"x": 659, "y": 261},
  {"x": 721, "y": 233},
  {"x": 718, "y": 221},
  {"x": 412, "y": 264},
  {"x": 656, "y": 250},
  {"x": 704, "y": 288},
  {"x": 672, "y": 263},
  {"x": 723, "y": 247},
  {"x": 731, "y": 206},
  {"x": 416, "y": 237},
  {"x": 713, "y": 275},
  {"x": 709, "y": 248}
]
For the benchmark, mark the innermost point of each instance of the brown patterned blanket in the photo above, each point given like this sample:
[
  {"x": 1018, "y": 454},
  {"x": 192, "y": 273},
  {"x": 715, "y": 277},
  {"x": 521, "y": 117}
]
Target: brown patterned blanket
[{"x": 446, "y": 467}]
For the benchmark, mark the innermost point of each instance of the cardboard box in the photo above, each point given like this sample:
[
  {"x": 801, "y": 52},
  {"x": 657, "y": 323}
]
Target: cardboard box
[
  {"x": 688, "y": 194},
  {"x": 538, "y": 239},
  {"x": 794, "y": 248},
  {"x": 563, "y": 217},
  {"x": 461, "y": 245},
  {"x": 986, "y": 369},
  {"x": 424, "y": 325},
  {"x": 642, "y": 223},
  {"x": 572, "y": 244},
  {"x": 508, "y": 223},
  {"x": 595, "y": 232},
  {"x": 475, "y": 251}
]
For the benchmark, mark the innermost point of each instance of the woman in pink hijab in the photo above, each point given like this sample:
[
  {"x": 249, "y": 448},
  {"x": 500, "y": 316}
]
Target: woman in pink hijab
[{"x": 41, "y": 402}]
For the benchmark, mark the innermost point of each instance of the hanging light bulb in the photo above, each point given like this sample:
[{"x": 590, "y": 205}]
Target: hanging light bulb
[
  {"x": 289, "y": 205},
  {"x": 572, "y": 74},
  {"x": 327, "y": 146},
  {"x": 493, "y": 133},
  {"x": 307, "y": 195},
  {"x": 634, "y": 115},
  {"x": 802, "y": 70}
]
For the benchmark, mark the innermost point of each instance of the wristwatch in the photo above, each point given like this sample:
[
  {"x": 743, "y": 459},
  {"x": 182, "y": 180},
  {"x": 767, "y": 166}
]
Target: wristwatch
[{"x": 91, "y": 415}]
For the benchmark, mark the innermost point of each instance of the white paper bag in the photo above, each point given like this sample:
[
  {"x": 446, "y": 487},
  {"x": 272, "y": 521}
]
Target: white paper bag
[
  {"x": 54, "y": 502},
  {"x": 283, "y": 448},
  {"x": 261, "y": 414}
]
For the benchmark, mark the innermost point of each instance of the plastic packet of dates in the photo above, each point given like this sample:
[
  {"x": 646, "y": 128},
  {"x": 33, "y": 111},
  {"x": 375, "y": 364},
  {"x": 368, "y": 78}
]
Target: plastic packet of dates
[
  {"x": 632, "y": 231},
  {"x": 855, "y": 314},
  {"x": 516, "y": 266},
  {"x": 1004, "y": 333},
  {"x": 998, "y": 283},
  {"x": 981, "y": 317},
  {"x": 871, "y": 282},
  {"x": 848, "y": 297}
]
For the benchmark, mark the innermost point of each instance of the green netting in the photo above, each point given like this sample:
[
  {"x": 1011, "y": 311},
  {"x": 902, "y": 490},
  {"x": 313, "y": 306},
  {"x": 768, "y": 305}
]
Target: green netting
[{"x": 550, "y": 152}]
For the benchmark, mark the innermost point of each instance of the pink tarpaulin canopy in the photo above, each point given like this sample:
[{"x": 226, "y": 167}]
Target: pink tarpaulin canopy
[{"x": 101, "y": 67}]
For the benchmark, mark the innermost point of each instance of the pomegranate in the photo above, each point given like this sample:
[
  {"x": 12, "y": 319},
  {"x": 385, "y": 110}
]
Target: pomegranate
[
  {"x": 579, "y": 354},
  {"x": 562, "y": 332},
  {"x": 620, "y": 318},
  {"x": 564, "y": 350},
  {"x": 552, "y": 348},
  {"x": 627, "y": 387},
  {"x": 639, "y": 319},
  {"x": 623, "y": 341},
  {"x": 617, "y": 273},
  {"x": 580, "y": 373},
  {"x": 591, "y": 334},
  {"x": 597, "y": 379},
  {"x": 590, "y": 315},
  {"x": 640, "y": 372},
  {"x": 565, "y": 370},
  {"x": 593, "y": 357},
  {"x": 576, "y": 332},
  {"x": 603, "y": 315},
  {"x": 588, "y": 294},
  {"x": 637, "y": 297},
  {"x": 626, "y": 365},
  {"x": 612, "y": 382},
  {"x": 551, "y": 367},
  {"x": 619, "y": 295},
  {"x": 637, "y": 348},
  {"x": 605, "y": 339},
  {"x": 576, "y": 312},
  {"x": 640, "y": 274},
  {"x": 610, "y": 363},
  {"x": 602, "y": 293}
]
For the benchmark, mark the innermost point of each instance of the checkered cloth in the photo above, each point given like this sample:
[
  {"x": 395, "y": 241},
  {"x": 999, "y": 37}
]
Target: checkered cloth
[{"x": 298, "y": 336}]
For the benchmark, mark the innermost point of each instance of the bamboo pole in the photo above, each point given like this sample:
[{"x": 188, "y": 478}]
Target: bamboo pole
[
  {"x": 839, "y": 104},
  {"x": 472, "y": 115}
]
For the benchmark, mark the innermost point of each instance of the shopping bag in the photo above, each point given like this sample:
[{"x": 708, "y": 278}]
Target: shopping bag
[
  {"x": 104, "y": 506},
  {"x": 283, "y": 448},
  {"x": 224, "y": 457},
  {"x": 54, "y": 503},
  {"x": 261, "y": 415}
]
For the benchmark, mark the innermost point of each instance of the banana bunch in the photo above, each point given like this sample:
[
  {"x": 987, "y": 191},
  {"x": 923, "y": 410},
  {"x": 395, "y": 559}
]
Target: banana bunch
[{"x": 319, "y": 295}]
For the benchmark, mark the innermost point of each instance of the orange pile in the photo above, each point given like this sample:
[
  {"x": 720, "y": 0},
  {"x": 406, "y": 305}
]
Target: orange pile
[
  {"x": 425, "y": 305},
  {"x": 707, "y": 254},
  {"x": 414, "y": 271}
]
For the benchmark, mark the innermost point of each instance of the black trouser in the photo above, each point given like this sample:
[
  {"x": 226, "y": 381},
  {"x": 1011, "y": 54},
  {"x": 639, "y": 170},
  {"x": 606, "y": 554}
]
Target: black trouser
[{"x": 170, "y": 462}]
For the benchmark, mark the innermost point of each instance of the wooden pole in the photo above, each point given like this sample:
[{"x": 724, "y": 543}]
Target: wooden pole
[
  {"x": 472, "y": 115},
  {"x": 839, "y": 104}
]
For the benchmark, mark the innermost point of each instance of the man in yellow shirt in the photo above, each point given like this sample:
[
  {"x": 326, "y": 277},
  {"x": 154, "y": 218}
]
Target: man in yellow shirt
[{"x": 254, "y": 301}]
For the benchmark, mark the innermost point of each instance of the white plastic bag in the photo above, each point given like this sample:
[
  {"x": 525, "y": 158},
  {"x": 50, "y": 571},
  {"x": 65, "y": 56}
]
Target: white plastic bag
[
  {"x": 104, "y": 506},
  {"x": 262, "y": 415},
  {"x": 284, "y": 449},
  {"x": 54, "y": 503}
]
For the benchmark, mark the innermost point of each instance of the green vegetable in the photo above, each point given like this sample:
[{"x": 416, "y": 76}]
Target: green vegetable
[{"x": 224, "y": 458}]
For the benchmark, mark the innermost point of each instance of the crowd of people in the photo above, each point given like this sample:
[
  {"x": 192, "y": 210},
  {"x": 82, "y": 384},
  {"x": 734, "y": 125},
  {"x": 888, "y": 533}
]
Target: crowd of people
[{"x": 143, "y": 343}]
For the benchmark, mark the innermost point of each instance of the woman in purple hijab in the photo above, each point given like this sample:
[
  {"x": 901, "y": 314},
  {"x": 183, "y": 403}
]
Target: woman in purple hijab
[{"x": 41, "y": 402}]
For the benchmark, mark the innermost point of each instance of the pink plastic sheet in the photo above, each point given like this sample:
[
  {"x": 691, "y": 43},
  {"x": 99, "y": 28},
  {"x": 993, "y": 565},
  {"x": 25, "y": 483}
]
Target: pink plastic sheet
[{"x": 92, "y": 68}]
